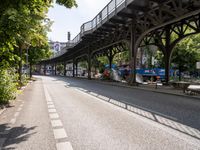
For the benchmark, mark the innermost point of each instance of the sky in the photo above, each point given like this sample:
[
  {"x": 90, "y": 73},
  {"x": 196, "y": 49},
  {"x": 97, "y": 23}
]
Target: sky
[{"x": 70, "y": 20}]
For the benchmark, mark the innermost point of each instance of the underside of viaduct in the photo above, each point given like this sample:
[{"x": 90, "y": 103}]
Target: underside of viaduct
[{"x": 133, "y": 24}]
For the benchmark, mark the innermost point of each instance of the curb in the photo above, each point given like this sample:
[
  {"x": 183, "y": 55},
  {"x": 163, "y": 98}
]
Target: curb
[
  {"x": 134, "y": 87},
  {"x": 139, "y": 88},
  {"x": 151, "y": 90}
]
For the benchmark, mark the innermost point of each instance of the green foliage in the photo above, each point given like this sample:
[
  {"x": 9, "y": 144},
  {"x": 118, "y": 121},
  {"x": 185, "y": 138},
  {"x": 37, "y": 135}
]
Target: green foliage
[
  {"x": 83, "y": 64},
  {"x": 67, "y": 3},
  {"x": 159, "y": 56},
  {"x": 121, "y": 57},
  {"x": 25, "y": 79},
  {"x": 23, "y": 25},
  {"x": 187, "y": 53},
  {"x": 37, "y": 53},
  {"x": 60, "y": 68},
  {"x": 103, "y": 60},
  {"x": 8, "y": 85}
]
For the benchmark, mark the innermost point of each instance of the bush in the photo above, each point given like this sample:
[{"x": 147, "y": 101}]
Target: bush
[
  {"x": 25, "y": 79},
  {"x": 8, "y": 85}
]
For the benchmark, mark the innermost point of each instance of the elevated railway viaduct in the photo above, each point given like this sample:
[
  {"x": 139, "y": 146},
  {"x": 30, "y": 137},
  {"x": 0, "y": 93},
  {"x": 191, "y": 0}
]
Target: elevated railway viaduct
[{"x": 133, "y": 23}]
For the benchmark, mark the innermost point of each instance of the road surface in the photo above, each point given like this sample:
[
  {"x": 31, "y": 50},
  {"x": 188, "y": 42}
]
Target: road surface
[{"x": 65, "y": 113}]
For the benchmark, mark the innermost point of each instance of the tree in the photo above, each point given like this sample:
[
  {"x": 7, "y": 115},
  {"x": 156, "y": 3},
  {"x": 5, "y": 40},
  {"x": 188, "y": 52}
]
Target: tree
[
  {"x": 186, "y": 54},
  {"x": 67, "y": 3},
  {"x": 19, "y": 23},
  {"x": 159, "y": 56},
  {"x": 36, "y": 54},
  {"x": 23, "y": 25}
]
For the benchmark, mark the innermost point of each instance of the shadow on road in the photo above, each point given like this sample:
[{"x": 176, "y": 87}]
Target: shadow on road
[
  {"x": 15, "y": 135},
  {"x": 179, "y": 113}
]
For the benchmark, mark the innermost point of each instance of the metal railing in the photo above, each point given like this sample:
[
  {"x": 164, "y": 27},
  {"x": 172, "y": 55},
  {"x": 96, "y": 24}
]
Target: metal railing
[{"x": 101, "y": 17}]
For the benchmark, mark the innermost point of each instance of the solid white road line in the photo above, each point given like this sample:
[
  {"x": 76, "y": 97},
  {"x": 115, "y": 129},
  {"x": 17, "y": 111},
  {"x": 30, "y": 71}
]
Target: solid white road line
[
  {"x": 64, "y": 146},
  {"x": 59, "y": 133}
]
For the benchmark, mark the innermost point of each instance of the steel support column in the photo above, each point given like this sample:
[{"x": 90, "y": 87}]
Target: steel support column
[
  {"x": 110, "y": 58},
  {"x": 74, "y": 67},
  {"x": 52, "y": 69},
  {"x": 89, "y": 65},
  {"x": 55, "y": 71},
  {"x": 45, "y": 69},
  {"x": 64, "y": 64},
  {"x": 133, "y": 50},
  {"x": 167, "y": 54},
  {"x": 40, "y": 69}
]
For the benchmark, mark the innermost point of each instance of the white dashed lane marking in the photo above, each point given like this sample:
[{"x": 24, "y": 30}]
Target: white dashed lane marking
[
  {"x": 51, "y": 106},
  {"x": 59, "y": 133},
  {"x": 13, "y": 120},
  {"x": 64, "y": 146},
  {"x": 52, "y": 110},
  {"x": 16, "y": 114},
  {"x": 49, "y": 103},
  {"x": 56, "y": 123},
  {"x": 54, "y": 116},
  {"x": 19, "y": 109}
]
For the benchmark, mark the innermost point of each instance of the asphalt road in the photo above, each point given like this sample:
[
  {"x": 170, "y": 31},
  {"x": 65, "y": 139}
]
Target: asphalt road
[{"x": 66, "y": 113}]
